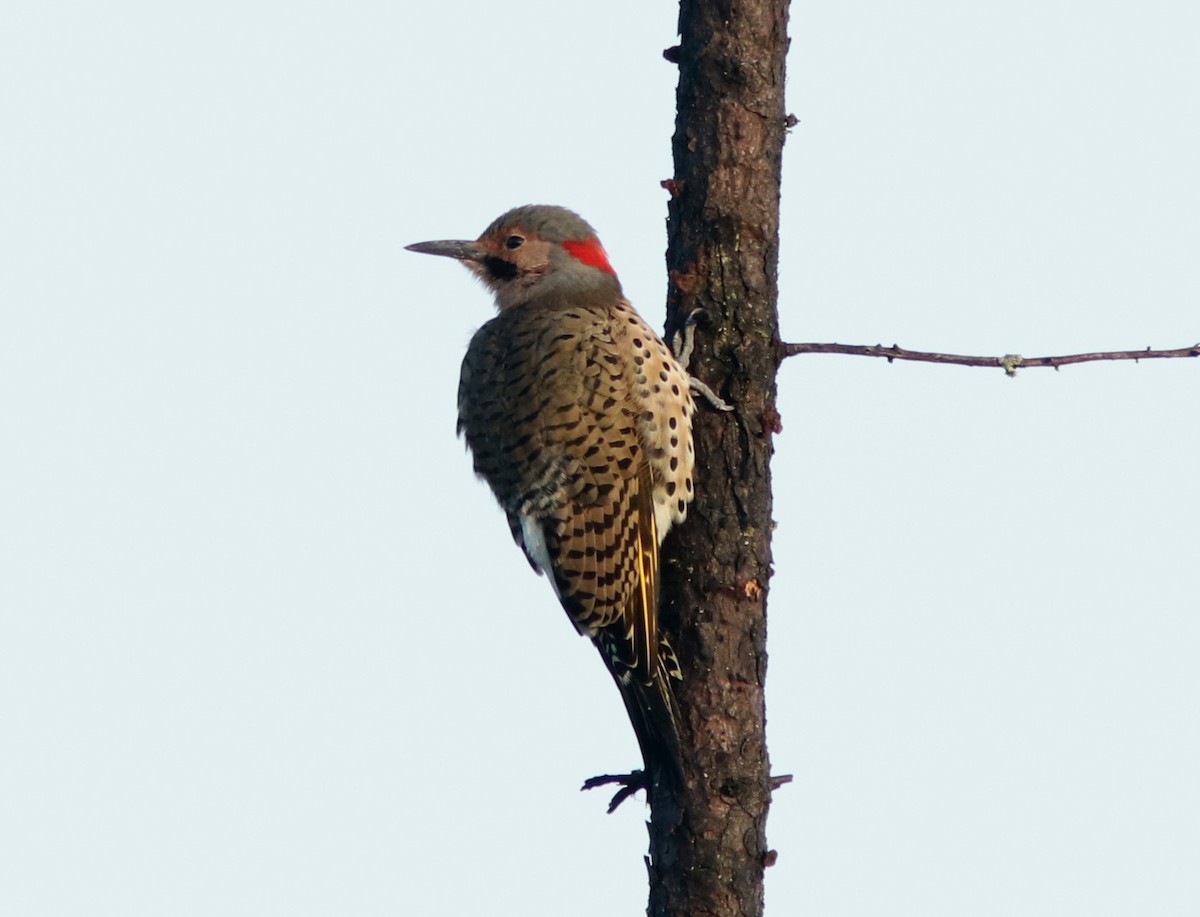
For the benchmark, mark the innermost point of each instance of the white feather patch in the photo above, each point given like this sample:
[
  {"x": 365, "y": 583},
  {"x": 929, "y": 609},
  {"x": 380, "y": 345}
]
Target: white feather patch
[{"x": 534, "y": 540}]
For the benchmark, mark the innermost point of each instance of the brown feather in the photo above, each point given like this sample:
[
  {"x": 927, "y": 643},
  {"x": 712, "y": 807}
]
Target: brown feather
[{"x": 643, "y": 610}]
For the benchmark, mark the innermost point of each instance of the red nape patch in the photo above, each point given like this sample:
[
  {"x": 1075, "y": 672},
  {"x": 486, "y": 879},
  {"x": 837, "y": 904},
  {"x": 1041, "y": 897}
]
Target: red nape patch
[{"x": 591, "y": 253}]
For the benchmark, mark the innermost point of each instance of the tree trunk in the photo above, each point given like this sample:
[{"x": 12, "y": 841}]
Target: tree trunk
[{"x": 708, "y": 850}]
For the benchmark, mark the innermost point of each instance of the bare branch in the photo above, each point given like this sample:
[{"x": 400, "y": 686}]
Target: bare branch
[{"x": 1010, "y": 363}]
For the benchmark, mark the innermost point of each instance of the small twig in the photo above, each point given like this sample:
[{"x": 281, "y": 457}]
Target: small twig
[
  {"x": 628, "y": 783},
  {"x": 1010, "y": 363}
]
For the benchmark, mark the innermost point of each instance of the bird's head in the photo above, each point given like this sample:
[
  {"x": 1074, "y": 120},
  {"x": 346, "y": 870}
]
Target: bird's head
[{"x": 536, "y": 254}]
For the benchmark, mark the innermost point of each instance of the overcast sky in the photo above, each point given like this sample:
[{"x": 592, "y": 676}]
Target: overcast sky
[{"x": 266, "y": 646}]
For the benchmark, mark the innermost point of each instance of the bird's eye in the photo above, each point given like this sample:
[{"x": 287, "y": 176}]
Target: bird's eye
[{"x": 514, "y": 242}]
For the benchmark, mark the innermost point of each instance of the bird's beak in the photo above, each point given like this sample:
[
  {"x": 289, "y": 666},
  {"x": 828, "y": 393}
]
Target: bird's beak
[{"x": 450, "y": 248}]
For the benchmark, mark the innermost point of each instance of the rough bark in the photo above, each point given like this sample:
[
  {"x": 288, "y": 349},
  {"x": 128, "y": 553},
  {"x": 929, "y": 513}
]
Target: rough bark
[{"x": 708, "y": 850}]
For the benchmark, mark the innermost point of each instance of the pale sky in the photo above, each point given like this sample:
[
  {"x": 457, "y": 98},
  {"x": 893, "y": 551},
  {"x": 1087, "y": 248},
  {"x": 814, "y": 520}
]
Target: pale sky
[{"x": 266, "y": 646}]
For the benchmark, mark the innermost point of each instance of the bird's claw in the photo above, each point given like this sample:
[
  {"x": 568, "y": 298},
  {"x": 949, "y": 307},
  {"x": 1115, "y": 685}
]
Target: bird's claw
[
  {"x": 683, "y": 341},
  {"x": 708, "y": 394}
]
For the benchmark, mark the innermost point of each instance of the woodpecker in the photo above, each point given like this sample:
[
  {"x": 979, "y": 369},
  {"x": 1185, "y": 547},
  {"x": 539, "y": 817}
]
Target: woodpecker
[{"x": 579, "y": 418}]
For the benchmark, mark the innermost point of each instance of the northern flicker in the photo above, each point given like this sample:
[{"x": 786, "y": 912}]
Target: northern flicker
[{"x": 579, "y": 417}]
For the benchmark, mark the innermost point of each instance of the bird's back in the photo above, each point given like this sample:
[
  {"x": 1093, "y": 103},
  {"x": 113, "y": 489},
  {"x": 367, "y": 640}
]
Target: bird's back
[{"x": 579, "y": 418}]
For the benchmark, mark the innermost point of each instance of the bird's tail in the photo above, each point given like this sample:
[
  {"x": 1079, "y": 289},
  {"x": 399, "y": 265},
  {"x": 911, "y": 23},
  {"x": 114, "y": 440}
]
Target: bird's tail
[{"x": 655, "y": 717}]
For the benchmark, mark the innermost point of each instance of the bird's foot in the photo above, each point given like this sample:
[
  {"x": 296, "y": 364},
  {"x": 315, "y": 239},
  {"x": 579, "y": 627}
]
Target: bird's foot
[
  {"x": 683, "y": 343},
  {"x": 708, "y": 394},
  {"x": 629, "y": 783}
]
